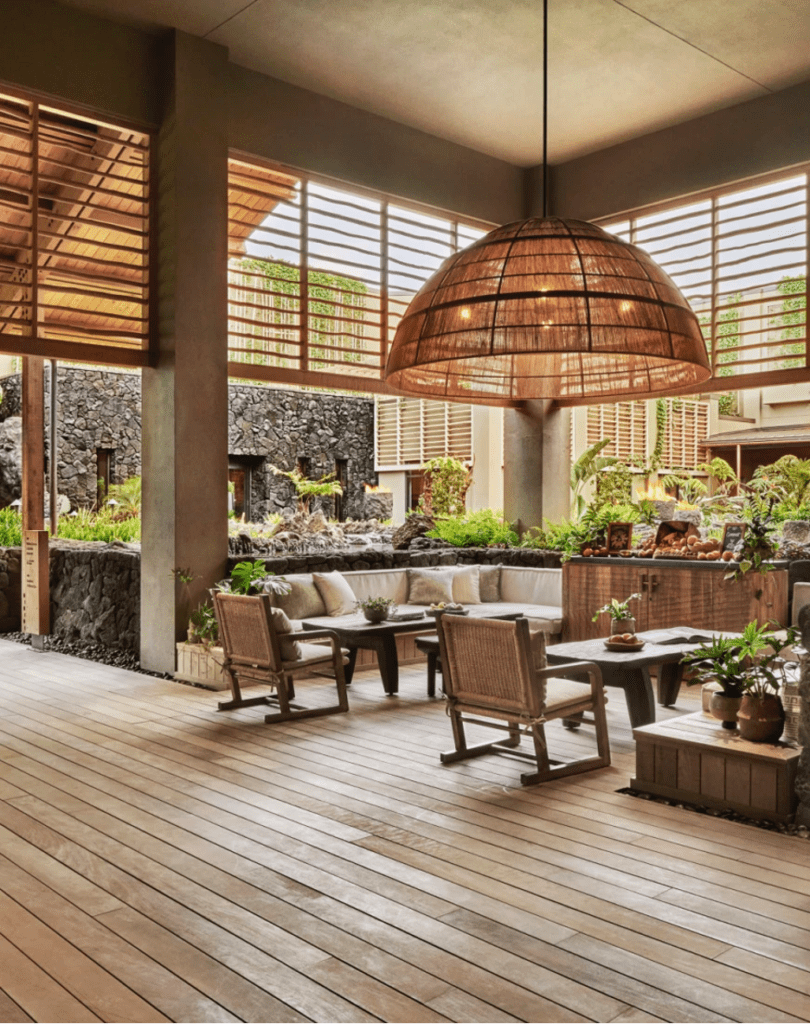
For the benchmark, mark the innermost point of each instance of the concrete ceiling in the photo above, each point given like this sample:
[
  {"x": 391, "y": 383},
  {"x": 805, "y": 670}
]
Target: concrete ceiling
[{"x": 470, "y": 70}]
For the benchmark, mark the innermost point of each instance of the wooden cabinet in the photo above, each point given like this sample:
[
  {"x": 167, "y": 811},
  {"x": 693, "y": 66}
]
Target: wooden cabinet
[{"x": 673, "y": 593}]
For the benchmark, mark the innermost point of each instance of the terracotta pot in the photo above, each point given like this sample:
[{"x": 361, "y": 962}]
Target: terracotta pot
[
  {"x": 761, "y": 719},
  {"x": 725, "y": 708},
  {"x": 376, "y": 614},
  {"x": 623, "y": 626}
]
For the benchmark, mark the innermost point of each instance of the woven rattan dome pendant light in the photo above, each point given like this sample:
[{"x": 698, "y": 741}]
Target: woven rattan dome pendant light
[{"x": 546, "y": 308}]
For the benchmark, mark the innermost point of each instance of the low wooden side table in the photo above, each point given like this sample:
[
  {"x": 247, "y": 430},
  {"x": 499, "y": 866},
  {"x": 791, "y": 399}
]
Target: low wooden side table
[{"x": 694, "y": 759}]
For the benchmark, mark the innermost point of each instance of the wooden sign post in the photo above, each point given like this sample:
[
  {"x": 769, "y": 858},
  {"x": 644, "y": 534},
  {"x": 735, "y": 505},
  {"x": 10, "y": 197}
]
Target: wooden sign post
[{"x": 35, "y": 596}]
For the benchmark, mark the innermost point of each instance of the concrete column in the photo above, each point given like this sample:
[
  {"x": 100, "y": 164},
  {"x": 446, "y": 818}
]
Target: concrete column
[
  {"x": 537, "y": 463},
  {"x": 185, "y": 394}
]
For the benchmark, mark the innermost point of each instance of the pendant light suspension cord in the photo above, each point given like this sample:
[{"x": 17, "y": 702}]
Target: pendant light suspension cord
[{"x": 545, "y": 108}]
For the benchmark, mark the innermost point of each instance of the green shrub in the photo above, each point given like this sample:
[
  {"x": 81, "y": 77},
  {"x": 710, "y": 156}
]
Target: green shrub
[
  {"x": 10, "y": 528},
  {"x": 102, "y": 525},
  {"x": 480, "y": 529}
]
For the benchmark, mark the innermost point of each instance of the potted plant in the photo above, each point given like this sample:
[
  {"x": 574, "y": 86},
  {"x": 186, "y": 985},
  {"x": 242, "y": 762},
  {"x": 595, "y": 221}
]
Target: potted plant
[
  {"x": 746, "y": 665},
  {"x": 619, "y": 611},
  {"x": 376, "y": 609},
  {"x": 761, "y": 717},
  {"x": 253, "y": 578}
]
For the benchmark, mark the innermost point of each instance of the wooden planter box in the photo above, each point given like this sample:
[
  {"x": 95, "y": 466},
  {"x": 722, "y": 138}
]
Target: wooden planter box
[
  {"x": 201, "y": 665},
  {"x": 692, "y": 758}
]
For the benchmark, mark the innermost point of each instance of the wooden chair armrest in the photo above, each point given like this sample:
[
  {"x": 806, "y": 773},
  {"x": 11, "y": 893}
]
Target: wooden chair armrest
[
  {"x": 310, "y": 634},
  {"x": 570, "y": 670}
]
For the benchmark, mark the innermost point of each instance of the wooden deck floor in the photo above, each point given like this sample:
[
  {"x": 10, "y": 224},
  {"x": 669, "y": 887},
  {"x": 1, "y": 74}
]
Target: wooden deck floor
[{"x": 160, "y": 861}]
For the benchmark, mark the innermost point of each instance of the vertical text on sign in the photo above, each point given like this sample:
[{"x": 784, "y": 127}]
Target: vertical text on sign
[{"x": 35, "y": 596}]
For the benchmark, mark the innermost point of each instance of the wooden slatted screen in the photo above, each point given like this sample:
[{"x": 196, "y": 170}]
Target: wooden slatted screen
[
  {"x": 740, "y": 256},
  {"x": 625, "y": 423},
  {"x": 687, "y": 429},
  {"x": 320, "y": 274},
  {"x": 409, "y": 431},
  {"x": 74, "y": 236}
]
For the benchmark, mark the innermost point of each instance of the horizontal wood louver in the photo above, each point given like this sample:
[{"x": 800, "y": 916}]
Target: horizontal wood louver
[
  {"x": 625, "y": 423},
  {"x": 739, "y": 255},
  {"x": 320, "y": 274},
  {"x": 687, "y": 429},
  {"x": 74, "y": 236},
  {"x": 411, "y": 430}
]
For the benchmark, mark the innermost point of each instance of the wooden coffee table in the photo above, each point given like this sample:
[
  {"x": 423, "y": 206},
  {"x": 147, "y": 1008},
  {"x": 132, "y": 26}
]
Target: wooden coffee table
[{"x": 629, "y": 670}]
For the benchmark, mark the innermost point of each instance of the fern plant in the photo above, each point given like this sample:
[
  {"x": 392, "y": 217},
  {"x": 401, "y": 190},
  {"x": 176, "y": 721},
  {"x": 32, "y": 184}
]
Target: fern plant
[{"x": 481, "y": 529}]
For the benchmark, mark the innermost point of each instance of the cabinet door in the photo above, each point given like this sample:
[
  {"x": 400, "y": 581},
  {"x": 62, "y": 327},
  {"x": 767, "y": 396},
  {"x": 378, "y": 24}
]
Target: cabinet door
[
  {"x": 753, "y": 596},
  {"x": 588, "y": 586},
  {"x": 677, "y": 596}
]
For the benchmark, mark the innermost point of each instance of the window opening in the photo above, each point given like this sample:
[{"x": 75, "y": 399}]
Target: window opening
[
  {"x": 105, "y": 468},
  {"x": 342, "y": 477}
]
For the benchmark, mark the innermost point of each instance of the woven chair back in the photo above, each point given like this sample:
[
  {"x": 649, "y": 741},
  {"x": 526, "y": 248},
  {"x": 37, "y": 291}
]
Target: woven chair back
[
  {"x": 246, "y": 630},
  {"x": 488, "y": 664}
]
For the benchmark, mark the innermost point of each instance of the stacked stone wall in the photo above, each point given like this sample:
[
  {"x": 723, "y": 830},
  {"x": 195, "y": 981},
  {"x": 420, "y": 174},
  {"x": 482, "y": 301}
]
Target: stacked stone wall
[{"x": 266, "y": 426}]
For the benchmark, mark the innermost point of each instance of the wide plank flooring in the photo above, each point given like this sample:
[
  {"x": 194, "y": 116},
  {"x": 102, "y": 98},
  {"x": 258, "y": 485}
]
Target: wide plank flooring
[{"x": 162, "y": 861}]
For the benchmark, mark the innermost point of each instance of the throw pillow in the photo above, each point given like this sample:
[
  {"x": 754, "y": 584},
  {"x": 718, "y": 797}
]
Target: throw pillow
[
  {"x": 290, "y": 649},
  {"x": 336, "y": 593},
  {"x": 429, "y": 586},
  {"x": 537, "y": 639},
  {"x": 490, "y": 583},
  {"x": 303, "y": 600},
  {"x": 466, "y": 586}
]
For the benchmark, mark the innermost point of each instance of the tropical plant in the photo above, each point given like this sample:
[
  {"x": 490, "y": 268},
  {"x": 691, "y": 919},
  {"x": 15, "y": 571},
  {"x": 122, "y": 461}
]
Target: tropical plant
[
  {"x": 127, "y": 496},
  {"x": 759, "y": 538},
  {"x": 788, "y": 478},
  {"x": 253, "y": 578},
  {"x": 203, "y": 627},
  {"x": 307, "y": 489},
  {"x": 768, "y": 674},
  {"x": 483, "y": 528},
  {"x": 586, "y": 467},
  {"x": 739, "y": 664},
  {"x": 447, "y": 481},
  {"x": 617, "y": 610}
]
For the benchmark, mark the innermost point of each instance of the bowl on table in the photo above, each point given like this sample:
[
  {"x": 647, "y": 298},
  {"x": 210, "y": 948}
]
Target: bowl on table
[{"x": 450, "y": 609}]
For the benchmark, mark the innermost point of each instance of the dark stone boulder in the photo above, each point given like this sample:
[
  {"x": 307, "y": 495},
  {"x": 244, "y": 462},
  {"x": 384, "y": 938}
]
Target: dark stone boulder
[
  {"x": 416, "y": 525},
  {"x": 10, "y": 460}
]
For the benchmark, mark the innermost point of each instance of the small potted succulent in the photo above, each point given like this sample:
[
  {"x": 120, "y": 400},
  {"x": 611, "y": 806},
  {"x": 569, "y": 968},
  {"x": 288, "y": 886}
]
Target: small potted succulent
[
  {"x": 619, "y": 612},
  {"x": 376, "y": 609}
]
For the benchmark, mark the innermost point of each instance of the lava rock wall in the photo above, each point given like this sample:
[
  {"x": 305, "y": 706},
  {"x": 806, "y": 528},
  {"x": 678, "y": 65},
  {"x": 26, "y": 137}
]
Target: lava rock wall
[{"x": 101, "y": 409}]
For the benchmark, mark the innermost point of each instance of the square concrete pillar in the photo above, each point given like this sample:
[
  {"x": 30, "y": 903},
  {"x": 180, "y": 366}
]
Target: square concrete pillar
[
  {"x": 536, "y": 463},
  {"x": 185, "y": 393}
]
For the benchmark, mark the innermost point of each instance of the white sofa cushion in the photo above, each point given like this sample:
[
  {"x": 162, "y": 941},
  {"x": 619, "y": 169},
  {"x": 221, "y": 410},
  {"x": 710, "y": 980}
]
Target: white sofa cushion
[
  {"x": 531, "y": 586},
  {"x": 391, "y": 583},
  {"x": 335, "y": 592}
]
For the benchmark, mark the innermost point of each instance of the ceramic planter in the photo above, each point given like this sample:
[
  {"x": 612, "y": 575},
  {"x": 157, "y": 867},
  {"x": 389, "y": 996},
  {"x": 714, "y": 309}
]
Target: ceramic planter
[
  {"x": 375, "y": 614},
  {"x": 761, "y": 719},
  {"x": 725, "y": 708},
  {"x": 623, "y": 626}
]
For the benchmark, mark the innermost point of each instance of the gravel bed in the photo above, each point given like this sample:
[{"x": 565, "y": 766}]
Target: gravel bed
[
  {"x": 113, "y": 656},
  {"x": 799, "y": 831}
]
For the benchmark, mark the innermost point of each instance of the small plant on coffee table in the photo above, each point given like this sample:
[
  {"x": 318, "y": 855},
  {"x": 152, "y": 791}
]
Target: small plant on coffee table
[
  {"x": 376, "y": 609},
  {"x": 619, "y": 611}
]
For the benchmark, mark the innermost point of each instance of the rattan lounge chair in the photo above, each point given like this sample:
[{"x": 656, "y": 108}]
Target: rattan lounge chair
[
  {"x": 256, "y": 652},
  {"x": 496, "y": 669}
]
